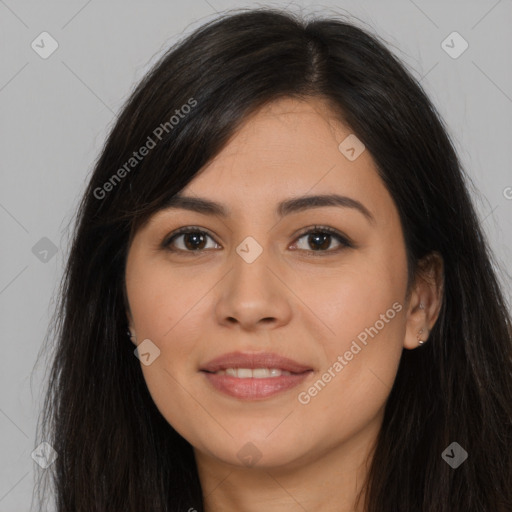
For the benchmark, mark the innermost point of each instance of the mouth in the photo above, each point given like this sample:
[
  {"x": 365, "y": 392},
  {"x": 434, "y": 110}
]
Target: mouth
[{"x": 254, "y": 376}]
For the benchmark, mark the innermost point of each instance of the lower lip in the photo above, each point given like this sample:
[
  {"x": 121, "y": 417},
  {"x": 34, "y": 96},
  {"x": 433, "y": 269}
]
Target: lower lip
[{"x": 254, "y": 389}]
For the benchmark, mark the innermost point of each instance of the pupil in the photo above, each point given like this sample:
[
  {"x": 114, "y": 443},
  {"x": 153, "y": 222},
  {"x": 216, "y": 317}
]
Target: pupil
[
  {"x": 316, "y": 237},
  {"x": 194, "y": 236}
]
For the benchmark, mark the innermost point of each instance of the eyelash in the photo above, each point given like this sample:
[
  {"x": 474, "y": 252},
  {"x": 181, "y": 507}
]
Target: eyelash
[{"x": 343, "y": 240}]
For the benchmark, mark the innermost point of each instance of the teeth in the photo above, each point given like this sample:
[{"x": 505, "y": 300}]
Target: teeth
[
  {"x": 257, "y": 373},
  {"x": 261, "y": 373}
]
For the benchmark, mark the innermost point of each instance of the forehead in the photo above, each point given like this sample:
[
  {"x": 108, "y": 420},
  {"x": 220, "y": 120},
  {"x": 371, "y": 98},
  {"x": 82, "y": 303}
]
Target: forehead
[
  {"x": 288, "y": 148},
  {"x": 287, "y": 151}
]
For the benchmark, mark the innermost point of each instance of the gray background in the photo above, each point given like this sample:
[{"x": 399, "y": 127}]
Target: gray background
[{"x": 55, "y": 114}]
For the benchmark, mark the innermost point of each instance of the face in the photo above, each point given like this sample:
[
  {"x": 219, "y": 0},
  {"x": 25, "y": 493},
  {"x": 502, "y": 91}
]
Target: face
[{"x": 279, "y": 324}]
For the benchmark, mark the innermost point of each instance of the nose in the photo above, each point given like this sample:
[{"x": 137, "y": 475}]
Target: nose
[{"x": 253, "y": 296}]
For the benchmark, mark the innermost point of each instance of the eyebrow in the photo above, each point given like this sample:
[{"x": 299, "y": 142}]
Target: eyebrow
[{"x": 293, "y": 205}]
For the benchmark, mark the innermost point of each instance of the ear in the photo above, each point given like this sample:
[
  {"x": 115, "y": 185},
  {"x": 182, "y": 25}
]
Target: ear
[
  {"x": 425, "y": 300},
  {"x": 133, "y": 337}
]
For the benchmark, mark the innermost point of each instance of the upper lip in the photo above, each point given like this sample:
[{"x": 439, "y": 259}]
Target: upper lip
[{"x": 254, "y": 360}]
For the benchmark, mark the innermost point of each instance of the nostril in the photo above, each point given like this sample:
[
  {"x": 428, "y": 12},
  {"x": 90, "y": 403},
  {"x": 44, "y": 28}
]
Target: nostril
[{"x": 268, "y": 319}]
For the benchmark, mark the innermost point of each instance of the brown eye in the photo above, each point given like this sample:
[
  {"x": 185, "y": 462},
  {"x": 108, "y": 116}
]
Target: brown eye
[
  {"x": 320, "y": 239},
  {"x": 194, "y": 240},
  {"x": 188, "y": 240}
]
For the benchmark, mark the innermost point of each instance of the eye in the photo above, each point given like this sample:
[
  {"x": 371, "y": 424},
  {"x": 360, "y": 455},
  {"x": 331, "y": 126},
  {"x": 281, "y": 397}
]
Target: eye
[
  {"x": 192, "y": 239},
  {"x": 189, "y": 239},
  {"x": 320, "y": 239}
]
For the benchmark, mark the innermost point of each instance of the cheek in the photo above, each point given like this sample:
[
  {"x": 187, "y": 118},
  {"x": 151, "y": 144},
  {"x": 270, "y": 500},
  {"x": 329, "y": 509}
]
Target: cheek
[
  {"x": 163, "y": 300},
  {"x": 362, "y": 294},
  {"x": 167, "y": 305},
  {"x": 363, "y": 305},
  {"x": 362, "y": 357},
  {"x": 165, "y": 310}
]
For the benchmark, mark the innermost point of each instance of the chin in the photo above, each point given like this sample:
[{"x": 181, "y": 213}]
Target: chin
[{"x": 256, "y": 449}]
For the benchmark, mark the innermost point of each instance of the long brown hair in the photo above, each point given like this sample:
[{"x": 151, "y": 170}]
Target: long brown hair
[{"x": 115, "y": 450}]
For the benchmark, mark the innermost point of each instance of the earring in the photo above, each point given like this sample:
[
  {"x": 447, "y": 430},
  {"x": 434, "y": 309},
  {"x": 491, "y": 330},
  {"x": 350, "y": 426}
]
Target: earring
[
  {"x": 421, "y": 306},
  {"x": 418, "y": 337}
]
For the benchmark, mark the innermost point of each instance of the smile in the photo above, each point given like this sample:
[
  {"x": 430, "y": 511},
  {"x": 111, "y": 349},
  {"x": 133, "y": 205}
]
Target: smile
[
  {"x": 254, "y": 376},
  {"x": 257, "y": 373}
]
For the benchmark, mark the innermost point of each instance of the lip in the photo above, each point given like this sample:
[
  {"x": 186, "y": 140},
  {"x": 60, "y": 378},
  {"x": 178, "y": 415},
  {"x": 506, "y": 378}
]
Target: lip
[
  {"x": 254, "y": 360},
  {"x": 252, "y": 388}
]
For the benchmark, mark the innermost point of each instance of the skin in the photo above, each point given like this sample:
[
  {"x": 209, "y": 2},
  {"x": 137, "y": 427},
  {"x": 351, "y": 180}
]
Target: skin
[{"x": 292, "y": 300}]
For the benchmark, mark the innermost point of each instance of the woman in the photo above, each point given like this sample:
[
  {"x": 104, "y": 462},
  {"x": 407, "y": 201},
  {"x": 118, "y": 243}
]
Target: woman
[{"x": 278, "y": 295}]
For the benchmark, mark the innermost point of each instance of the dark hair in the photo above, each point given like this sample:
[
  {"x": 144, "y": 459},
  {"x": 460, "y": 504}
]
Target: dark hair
[{"x": 115, "y": 449}]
